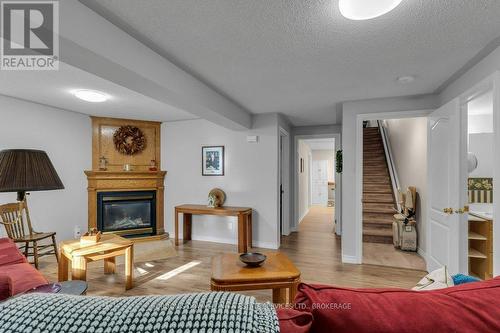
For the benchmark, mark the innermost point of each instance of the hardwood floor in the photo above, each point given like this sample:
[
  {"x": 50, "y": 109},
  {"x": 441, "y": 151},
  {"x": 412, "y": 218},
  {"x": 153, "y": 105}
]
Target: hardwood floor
[{"x": 315, "y": 250}]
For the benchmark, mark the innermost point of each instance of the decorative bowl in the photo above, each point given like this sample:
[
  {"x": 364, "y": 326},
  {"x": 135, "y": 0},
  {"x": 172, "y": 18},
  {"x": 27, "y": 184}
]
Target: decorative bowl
[
  {"x": 49, "y": 288},
  {"x": 253, "y": 259}
]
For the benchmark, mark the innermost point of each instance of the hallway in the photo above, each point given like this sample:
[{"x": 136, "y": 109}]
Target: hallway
[{"x": 316, "y": 251}]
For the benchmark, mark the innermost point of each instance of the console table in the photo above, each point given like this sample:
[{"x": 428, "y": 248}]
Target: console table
[{"x": 244, "y": 215}]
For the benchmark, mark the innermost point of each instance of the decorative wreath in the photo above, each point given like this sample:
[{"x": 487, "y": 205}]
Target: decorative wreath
[{"x": 129, "y": 140}]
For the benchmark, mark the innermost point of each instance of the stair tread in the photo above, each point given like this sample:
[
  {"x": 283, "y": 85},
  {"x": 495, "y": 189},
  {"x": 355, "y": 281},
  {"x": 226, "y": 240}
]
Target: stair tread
[
  {"x": 379, "y": 189},
  {"x": 379, "y": 210},
  {"x": 378, "y": 200},
  {"x": 378, "y": 204},
  {"x": 376, "y": 175},
  {"x": 377, "y": 222},
  {"x": 377, "y": 232},
  {"x": 372, "y": 182}
]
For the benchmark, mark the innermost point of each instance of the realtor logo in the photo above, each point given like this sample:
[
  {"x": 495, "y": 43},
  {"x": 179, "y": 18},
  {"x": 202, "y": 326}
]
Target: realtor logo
[{"x": 30, "y": 35}]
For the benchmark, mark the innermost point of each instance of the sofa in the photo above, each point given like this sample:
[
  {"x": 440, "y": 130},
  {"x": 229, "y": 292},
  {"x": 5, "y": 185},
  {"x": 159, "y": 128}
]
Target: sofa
[
  {"x": 470, "y": 307},
  {"x": 16, "y": 274}
]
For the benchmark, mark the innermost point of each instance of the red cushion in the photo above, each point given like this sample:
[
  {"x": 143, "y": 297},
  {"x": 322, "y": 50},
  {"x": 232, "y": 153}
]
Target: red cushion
[
  {"x": 20, "y": 277},
  {"x": 5, "y": 240},
  {"x": 4, "y": 286},
  {"x": 471, "y": 307},
  {"x": 9, "y": 254},
  {"x": 293, "y": 321}
]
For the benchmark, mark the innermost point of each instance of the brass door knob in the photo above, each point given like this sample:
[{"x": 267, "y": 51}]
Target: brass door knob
[
  {"x": 448, "y": 211},
  {"x": 463, "y": 210}
]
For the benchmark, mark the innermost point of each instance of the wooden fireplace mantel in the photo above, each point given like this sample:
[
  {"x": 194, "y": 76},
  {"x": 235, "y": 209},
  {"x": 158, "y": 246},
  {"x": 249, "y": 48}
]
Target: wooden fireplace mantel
[{"x": 109, "y": 181}]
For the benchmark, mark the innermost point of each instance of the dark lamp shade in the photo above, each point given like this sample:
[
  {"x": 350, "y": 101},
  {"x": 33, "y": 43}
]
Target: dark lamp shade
[{"x": 24, "y": 170}]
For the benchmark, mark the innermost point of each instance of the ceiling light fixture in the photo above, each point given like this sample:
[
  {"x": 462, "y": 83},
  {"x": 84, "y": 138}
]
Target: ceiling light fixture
[
  {"x": 366, "y": 9},
  {"x": 92, "y": 96},
  {"x": 406, "y": 79}
]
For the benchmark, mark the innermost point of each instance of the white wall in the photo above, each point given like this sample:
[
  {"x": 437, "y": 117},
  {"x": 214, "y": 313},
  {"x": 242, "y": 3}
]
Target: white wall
[
  {"x": 474, "y": 75},
  {"x": 481, "y": 144},
  {"x": 304, "y": 178},
  {"x": 326, "y": 155},
  {"x": 67, "y": 139},
  {"x": 250, "y": 180},
  {"x": 480, "y": 123},
  {"x": 408, "y": 138},
  {"x": 351, "y": 134}
]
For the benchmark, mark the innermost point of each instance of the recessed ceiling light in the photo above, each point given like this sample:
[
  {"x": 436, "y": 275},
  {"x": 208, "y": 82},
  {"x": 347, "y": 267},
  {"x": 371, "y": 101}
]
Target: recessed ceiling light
[
  {"x": 92, "y": 96},
  {"x": 406, "y": 79},
  {"x": 366, "y": 9}
]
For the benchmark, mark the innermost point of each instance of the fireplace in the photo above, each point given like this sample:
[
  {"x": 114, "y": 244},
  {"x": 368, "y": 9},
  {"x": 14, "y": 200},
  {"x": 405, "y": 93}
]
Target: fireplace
[{"x": 128, "y": 213}]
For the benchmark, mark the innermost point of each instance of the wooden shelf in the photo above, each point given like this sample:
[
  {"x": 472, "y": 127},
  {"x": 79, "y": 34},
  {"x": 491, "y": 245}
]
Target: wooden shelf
[
  {"x": 473, "y": 253},
  {"x": 480, "y": 247},
  {"x": 476, "y": 236}
]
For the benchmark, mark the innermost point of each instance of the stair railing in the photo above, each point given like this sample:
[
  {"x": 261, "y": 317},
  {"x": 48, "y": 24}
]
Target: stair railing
[{"x": 390, "y": 162}]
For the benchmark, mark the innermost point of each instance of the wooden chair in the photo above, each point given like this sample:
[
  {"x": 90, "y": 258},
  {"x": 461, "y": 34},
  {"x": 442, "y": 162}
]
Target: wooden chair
[{"x": 13, "y": 216}]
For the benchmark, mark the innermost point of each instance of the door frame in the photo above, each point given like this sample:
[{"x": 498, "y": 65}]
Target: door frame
[
  {"x": 283, "y": 179},
  {"x": 490, "y": 83},
  {"x": 359, "y": 166},
  {"x": 338, "y": 180},
  {"x": 309, "y": 179}
]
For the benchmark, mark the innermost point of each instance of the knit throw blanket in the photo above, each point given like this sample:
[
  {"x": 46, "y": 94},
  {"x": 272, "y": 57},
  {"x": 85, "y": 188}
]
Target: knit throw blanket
[{"x": 201, "y": 313}]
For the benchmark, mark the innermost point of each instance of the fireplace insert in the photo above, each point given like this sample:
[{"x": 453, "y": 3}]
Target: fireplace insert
[{"x": 131, "y": 213}]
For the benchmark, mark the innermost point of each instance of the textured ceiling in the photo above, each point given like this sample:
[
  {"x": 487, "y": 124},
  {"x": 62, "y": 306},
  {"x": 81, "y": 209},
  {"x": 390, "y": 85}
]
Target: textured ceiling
[{"x": 301, "y": 57}]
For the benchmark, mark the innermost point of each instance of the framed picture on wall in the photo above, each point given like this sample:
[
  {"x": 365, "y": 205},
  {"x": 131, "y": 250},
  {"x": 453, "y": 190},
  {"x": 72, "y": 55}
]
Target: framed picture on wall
[{"x": 212, "y": 160}]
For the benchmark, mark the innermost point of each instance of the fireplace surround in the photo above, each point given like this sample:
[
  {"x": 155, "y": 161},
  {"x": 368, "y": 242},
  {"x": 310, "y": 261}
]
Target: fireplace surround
[{"x": 120, "y": 194}]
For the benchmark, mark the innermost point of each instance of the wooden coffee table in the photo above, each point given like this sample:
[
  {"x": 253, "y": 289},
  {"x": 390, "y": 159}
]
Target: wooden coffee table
[
  {"x": 277, "y": 273},
  {"x": 108, "y": 248}
]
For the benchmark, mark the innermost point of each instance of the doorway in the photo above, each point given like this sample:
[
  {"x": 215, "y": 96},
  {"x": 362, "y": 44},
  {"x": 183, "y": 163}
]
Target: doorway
[
  {"x": 283, "y": 184},
  {"x": 394, "y": 163},
  {"x": 480, "y": 168},
  {"x": 316, "y": 177},
  {"x": 462, "y": 207}
]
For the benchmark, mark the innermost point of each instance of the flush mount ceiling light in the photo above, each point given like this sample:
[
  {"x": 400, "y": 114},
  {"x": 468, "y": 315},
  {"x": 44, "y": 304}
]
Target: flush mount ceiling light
[
  {"x": 366, "y": 9},
  {"x": 406, "y": 79},
  {"x": 92, "y": 96}
]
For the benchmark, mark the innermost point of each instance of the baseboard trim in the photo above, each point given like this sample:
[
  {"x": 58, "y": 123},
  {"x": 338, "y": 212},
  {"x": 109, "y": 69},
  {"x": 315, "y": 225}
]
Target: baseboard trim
[
  {"x": 303, "y": 216},
  {"x": 422, "y": 254},
  {"x": 350, "y": 260},
  {"x": 264, "y": 245}
]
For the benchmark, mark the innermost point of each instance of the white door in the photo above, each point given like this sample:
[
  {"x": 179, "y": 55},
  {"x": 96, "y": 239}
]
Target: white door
[
  {"x": 320, "y": 182},
  {"x": 446, "y": 229}
]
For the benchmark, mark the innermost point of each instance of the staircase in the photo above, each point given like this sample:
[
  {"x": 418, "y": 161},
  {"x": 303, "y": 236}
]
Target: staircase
[{"x": 378, "y": 198}]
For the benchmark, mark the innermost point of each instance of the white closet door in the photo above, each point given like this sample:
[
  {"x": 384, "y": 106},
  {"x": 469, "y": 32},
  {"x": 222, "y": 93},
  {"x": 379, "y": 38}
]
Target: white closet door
[
  {"x": 320, "y": 182},
  {"x": 446, "y": 230}
]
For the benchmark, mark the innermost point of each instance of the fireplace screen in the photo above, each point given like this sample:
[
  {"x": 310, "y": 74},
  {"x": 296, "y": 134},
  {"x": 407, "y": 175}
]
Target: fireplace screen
[{"x": 127, "y": 212}]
